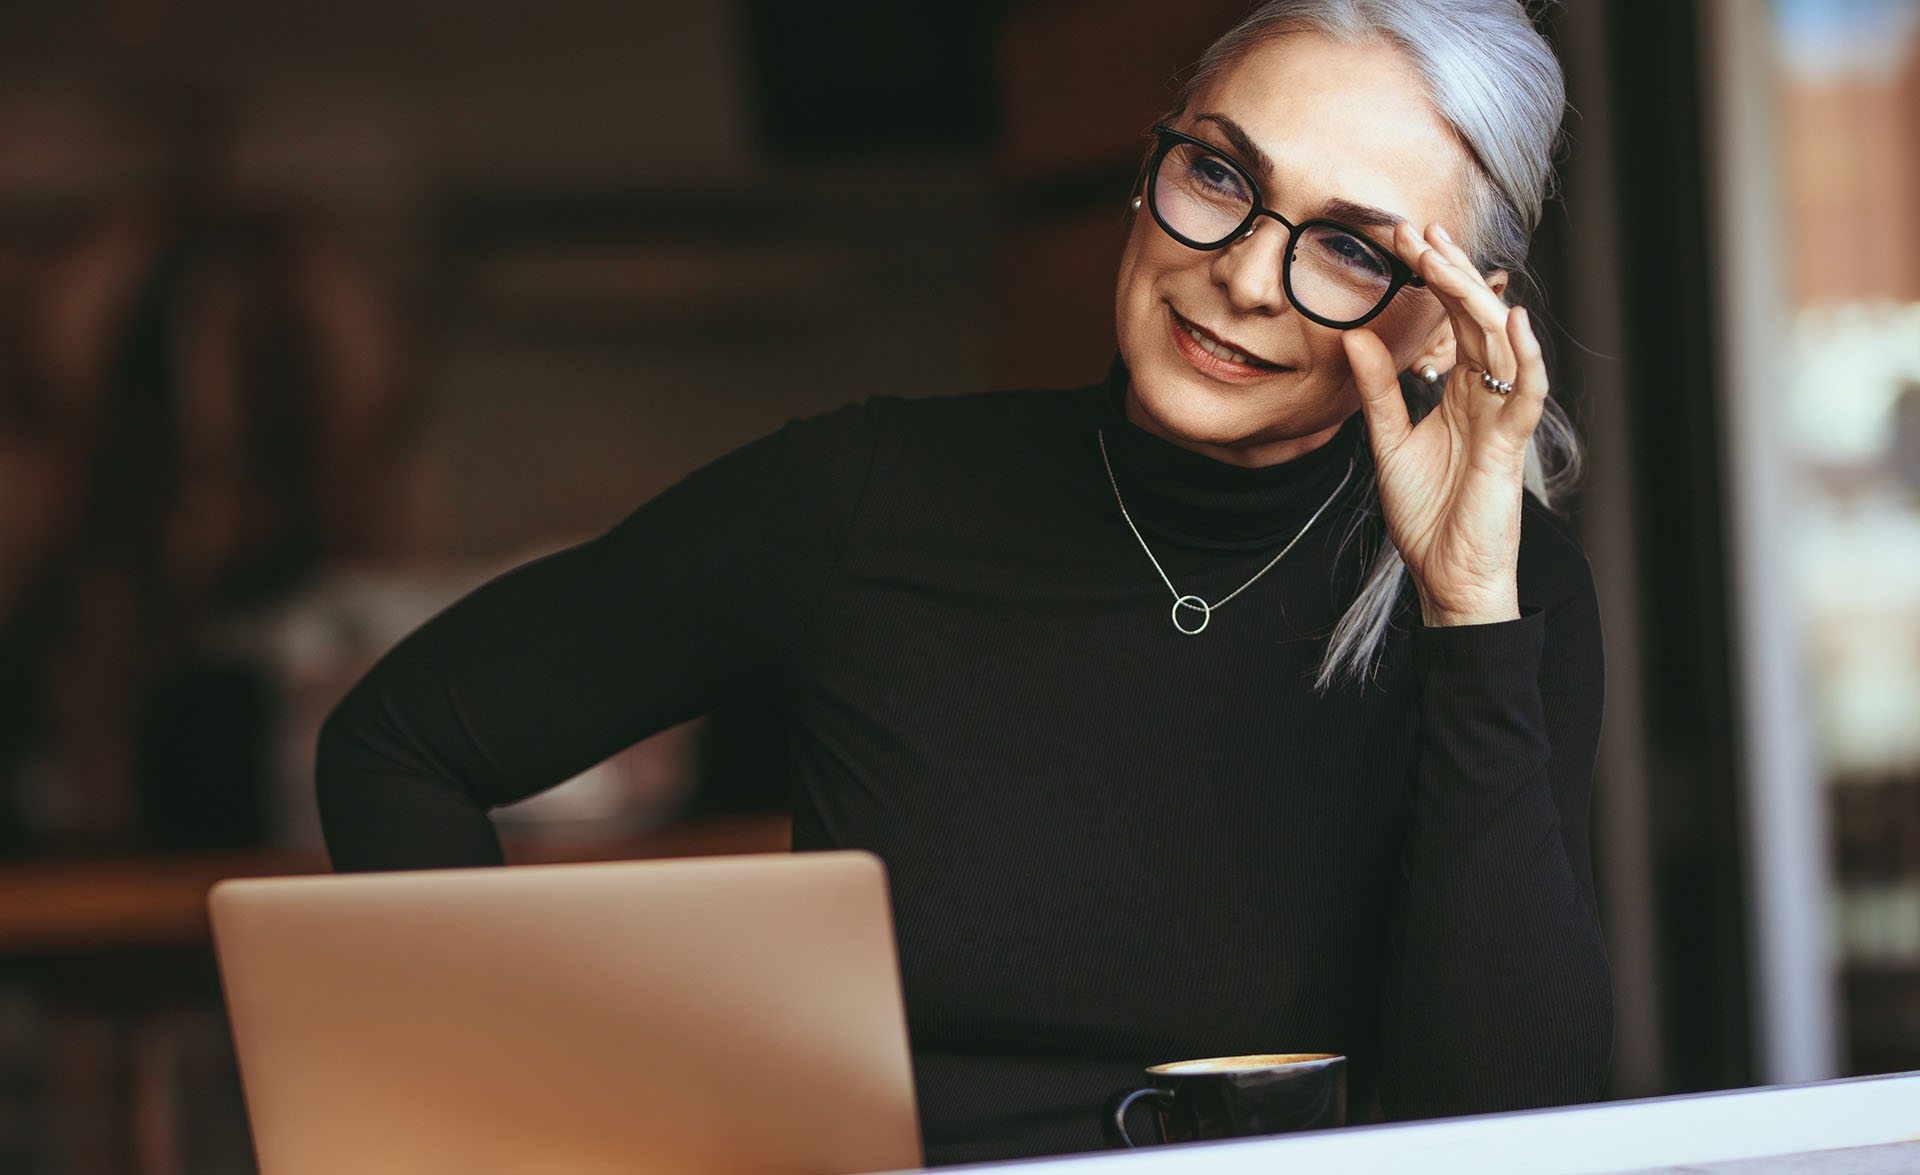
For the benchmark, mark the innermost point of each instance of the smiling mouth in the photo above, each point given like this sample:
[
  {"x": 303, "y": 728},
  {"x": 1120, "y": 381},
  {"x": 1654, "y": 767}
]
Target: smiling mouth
[{"x": 1220, "y": 350}]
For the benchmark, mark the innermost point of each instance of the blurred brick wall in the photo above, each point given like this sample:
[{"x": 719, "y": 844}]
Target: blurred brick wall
[{"x": 1853, "y": 184}]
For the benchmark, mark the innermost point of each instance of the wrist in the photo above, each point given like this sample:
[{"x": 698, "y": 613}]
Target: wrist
[{"x": 1489, "y": 608}]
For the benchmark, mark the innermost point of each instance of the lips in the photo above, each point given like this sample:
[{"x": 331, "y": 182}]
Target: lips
[{"x": 1212, "y": 346}]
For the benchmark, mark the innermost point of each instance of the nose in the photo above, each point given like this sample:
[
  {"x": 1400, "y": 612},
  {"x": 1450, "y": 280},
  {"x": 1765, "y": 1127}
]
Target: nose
[{"x": 1248, "y": 269}]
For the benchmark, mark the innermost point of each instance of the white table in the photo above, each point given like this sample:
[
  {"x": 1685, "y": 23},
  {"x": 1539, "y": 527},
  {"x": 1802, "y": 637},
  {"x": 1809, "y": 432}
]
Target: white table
[{"x": 1858, "y": 1126}]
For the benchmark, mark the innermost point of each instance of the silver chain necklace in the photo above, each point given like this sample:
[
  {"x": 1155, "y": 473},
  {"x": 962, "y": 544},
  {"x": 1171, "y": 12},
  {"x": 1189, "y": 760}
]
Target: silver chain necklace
[{"x": 1192, "y": 603}]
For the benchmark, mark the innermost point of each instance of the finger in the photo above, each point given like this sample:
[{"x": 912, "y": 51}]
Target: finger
[
  {"x": 1379, "y": 383},
  {"x": 1475, "y": 312},
  {"x": 1530, "y": 378},
  {"x": 1442, "y": 241},
  {"x": 1409, "y": 245},
  {"x": 1478, "y": 315},
  {"x": 1417, "y": 244},
  {"x": 1439, "y": 238}
]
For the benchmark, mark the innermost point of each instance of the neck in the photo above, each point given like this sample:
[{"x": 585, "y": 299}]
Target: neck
[
  {"x": 1177, "y": 493},
  {"x": 1254, "y": 452}
]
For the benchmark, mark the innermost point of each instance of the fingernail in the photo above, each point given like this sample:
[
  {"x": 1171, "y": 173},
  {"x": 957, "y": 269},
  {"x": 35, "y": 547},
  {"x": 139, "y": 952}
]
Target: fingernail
[{"x": 1440, "y": 230}]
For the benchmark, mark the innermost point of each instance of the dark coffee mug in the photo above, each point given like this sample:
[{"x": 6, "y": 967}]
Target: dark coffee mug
[{"x": 1228, "y": 1097}]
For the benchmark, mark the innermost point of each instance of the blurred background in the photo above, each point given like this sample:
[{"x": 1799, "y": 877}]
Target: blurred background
[{"x": 313, "y": 316}]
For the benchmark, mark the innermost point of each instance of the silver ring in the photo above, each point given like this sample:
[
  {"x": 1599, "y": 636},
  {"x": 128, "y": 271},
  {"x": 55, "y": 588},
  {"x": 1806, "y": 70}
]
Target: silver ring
[{"x": 1495, "y": 385}]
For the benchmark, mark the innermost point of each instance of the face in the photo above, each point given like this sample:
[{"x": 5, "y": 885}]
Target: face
[{"x": 1345, "y": 127}]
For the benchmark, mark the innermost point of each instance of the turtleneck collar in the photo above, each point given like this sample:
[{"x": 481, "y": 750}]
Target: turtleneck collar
[{"x": 1177, "y": 493}]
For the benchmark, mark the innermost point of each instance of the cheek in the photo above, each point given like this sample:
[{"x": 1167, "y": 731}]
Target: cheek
[
  {"x": 1133, "y": 291},
  {"x": 1407, "y": 329},
  {"x": 1129, "y": 265},
  {"x": 1137, "y": 257}
]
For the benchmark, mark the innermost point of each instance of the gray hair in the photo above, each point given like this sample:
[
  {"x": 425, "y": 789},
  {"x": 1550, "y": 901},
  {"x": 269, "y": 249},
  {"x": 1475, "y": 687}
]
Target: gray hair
[{"x": 1495, "y": 81}]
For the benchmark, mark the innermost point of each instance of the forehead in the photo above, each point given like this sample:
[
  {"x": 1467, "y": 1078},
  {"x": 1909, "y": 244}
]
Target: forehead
[{"x": 1339, "y": 120}]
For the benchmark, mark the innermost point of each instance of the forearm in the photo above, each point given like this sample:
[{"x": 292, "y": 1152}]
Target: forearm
[{"x": 1499, "y": 995}]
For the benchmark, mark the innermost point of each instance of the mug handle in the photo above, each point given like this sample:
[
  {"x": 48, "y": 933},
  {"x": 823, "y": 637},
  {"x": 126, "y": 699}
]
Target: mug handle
[{"x": 1114, "y": 1119}]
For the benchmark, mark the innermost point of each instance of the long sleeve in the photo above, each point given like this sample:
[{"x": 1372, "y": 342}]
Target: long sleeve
[
  {"x": 557, "y": 665},
  {"x": 1497, "y": 991}
]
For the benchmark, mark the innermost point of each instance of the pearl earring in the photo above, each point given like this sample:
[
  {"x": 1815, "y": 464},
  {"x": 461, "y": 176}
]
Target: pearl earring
[
  {"x": 1429, "y": 374},
  {"x": 1136, "y": 203}
]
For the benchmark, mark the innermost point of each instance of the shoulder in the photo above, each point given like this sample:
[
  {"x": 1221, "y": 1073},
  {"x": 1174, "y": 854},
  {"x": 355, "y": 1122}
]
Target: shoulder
[
  {"x": 994, "y": 414},
  {"x": 941, "y": 420},
  {"x": 902, "y": 449},
  {"x": 816, "y": 482},
  {"x": 932, "y": 439},
  {"x": 846, "y": 445}
]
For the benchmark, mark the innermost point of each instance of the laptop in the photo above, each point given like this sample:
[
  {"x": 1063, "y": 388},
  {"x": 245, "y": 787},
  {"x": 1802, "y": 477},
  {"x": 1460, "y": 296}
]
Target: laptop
[{"x": 702, "y": 1015}]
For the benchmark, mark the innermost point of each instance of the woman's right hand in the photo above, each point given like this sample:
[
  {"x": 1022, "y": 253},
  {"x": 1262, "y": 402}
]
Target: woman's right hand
[{"x": 1451, "y": 485}]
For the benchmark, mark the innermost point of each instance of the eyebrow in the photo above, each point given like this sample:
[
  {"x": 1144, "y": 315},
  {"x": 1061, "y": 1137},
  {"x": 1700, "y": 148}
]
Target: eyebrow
[{"x": 1345, "y": 211}]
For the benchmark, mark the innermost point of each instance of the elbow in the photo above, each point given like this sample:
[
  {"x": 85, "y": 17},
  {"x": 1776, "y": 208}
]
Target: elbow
[
  {"x": 386, "y": 801},
  {"x": 339, "y": 774}
]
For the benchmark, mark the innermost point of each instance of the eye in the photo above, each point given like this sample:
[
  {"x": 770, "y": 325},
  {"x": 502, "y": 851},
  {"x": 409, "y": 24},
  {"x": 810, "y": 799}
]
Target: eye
[
  {"x": 1216, "y": 174},
  {"x": 1348, "y": 250}
]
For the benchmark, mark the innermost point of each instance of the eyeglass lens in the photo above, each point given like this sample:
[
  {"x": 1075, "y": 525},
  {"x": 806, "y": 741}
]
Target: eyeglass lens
[{"x": 1205, "y": 199}]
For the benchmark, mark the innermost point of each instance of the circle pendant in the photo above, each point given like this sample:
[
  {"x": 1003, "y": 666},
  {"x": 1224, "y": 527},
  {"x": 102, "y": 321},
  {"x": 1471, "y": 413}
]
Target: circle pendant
[{"x": 1192, "y": 604}]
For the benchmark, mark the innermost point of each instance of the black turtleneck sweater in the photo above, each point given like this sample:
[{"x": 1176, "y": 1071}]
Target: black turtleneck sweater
[{"x": 1110, "y": 845}]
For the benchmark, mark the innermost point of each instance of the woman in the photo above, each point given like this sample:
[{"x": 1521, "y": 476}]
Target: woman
[{"x": 1167, "y": 755}]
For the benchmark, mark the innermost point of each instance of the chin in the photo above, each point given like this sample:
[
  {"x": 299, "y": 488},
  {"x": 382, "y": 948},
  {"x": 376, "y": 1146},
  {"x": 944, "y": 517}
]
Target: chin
[
  {"x": 1230, "y": 422},
  {"x": 1196, "y": 415},
  {"x": 1187, "y": 405}
]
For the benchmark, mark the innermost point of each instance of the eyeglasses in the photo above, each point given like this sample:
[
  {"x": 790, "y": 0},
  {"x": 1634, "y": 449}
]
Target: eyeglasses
[{"x": 1332, "y": 274}]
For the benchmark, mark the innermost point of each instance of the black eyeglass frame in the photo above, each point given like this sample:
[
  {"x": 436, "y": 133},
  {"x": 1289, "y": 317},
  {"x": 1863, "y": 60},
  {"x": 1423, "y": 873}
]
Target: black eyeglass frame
[{"x": 1169, "y": 138}]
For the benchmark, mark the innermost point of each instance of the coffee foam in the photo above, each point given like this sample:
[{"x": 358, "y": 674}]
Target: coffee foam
[{"x": 1247, "y": 1064}]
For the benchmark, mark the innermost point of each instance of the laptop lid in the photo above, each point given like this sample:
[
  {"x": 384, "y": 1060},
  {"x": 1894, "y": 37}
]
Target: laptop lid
[{"x": 714, "y": 1014}]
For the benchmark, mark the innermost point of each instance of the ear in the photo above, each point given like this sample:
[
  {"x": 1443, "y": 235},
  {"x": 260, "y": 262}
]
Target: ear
[{"x": 1436, "y": 349}]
